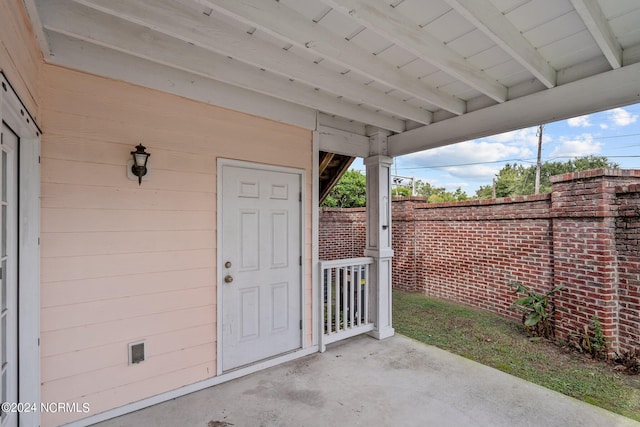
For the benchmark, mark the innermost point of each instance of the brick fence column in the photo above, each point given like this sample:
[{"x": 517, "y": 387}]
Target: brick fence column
[
  {"x": 584, "y": 211},
  {"x": 628, "y": 247},
  {"x": 404, "y": 243}
]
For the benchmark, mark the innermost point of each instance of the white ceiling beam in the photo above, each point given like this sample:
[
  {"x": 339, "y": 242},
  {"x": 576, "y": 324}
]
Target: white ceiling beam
[
  {"x": 597, "y": 24},
  {"x": 36, "y": 24},
  {"x": 380, "y": 17},
  {"x": 488, "y": 19},
  {"x": 603, "y": 91},
  {"x": 342, "y": 142},
  {"x": 114, "y": 33},
  {"x": 90, "y": 58},
  {"x": 289, "y": 25},
  {"x": 212, "y": 33}
]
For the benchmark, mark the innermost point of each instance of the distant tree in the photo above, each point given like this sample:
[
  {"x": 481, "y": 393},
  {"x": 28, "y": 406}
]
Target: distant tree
[
  {"x": 401, "y": 190},
  {"x": 349, "y": 192},
  {"x": 425, "y": 189},
  {"x": 448, "y": 196},
  {"x": 484, "y": 192},
  {"x": 517, "y": 180},
  {"x": 439, "y": 194}
]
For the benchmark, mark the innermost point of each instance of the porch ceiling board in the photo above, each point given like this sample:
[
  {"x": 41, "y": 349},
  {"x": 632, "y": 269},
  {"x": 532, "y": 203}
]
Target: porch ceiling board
[
  {"x": 379, "y": 16},
  {"x": 283, "y": 22},
  {"x": 433, "y": 72},
  {"x": 485, "y": 16},
  {"x": 214, "y": 34},
  {"x": 599, "y": 28}
]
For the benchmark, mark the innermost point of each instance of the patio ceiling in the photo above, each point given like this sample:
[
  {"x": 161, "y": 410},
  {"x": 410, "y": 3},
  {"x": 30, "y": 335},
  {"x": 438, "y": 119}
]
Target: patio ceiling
[{"x": 432, "y": 72}]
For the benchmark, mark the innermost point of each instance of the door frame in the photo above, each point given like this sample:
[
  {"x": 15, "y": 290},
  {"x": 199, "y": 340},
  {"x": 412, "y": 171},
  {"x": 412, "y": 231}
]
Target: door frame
[
  {"x": 221, "y": 162},
  {"x": 16, "y": 115}
]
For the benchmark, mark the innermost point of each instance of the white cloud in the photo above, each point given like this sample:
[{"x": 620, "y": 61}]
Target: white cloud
[
  {"x": 621, "y": 117},
  {"x": 471, "y": 160},
  {"x": 472, "y": 163},
  {"x": 474, "y": 172},
  {"x": 581, "y": 145},
  {"x": 604, "y": 126},
  {"x": 580, "y": 121}
]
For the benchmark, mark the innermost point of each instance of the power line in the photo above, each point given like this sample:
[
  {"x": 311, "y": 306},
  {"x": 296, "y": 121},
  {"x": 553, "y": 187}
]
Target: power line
[
  {"x": 617, "y": 136},
  {"x": 504, "y": 161},
  {"x": 464, "y": 164}
]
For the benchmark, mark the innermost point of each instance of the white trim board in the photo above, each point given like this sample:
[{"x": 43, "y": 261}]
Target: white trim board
[
  {"x": 15, "y": 114},
  {"x": 614, "y": 88},
  {"x": 315, "y": 225}
]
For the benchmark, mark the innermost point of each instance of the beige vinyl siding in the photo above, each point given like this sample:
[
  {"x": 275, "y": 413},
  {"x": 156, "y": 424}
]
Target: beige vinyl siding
[{"x": 122, "y": 262}]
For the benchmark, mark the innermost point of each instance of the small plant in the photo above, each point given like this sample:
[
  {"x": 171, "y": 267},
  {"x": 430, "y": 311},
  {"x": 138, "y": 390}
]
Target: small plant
[
  {"x": 598, "y": 347},
  {"x": 592, "y": 343},
  {"x": 537, "y": 310}
]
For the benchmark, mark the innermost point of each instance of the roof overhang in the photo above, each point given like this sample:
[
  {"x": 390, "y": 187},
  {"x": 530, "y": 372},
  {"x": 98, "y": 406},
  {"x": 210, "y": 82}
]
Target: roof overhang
[{"x": 432, "y": 72}]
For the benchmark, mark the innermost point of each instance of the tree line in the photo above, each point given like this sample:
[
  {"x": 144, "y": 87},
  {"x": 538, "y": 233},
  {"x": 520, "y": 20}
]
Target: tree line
[{"x": 512, "y": 180}]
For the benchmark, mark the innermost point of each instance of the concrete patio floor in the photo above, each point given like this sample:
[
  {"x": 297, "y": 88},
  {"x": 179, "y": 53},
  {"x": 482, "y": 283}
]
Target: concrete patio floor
[{"x": 365, "y": 382}]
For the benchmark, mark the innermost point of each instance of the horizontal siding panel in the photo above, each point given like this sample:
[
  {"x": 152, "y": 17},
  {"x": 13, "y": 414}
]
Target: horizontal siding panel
[
  {"x": 85, "y": 88},
  {"x": 210, "y": 137},
  {"x": 111, "y": 153},
  {"x": 128, "y": 330},
  {"x": 115, "y": 354},
  {"x": 133, "y": 392},
  {"x": 126, "y": 131},
  {"x": 73, "y": 172},
  {"x": 105, "y": 288},
  {"x": 80, "y": 386},
  {"x": 61, "y": 220},
  {"x": 156, "y": 109},
  {"x": 86, "y": 267},
  {"x": 128, "y": 109},
  {"x": 132, "y": 197},
  {"x": 74, "y": 315},
  {"x": 108, "y": 243}
]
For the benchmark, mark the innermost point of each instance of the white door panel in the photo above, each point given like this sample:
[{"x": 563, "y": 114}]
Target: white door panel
[{"x": 261, "y": 254}]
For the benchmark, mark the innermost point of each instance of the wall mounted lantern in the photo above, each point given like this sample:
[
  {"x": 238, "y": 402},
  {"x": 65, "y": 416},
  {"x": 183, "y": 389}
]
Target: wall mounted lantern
[{"x": 139, "y": 166}]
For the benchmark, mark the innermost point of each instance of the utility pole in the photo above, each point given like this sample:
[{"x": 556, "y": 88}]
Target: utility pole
[{"x": 538, "y": 164}]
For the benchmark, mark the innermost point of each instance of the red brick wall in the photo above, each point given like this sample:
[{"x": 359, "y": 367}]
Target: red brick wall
[
  {"x": 628, "y": 248},
  {"x": 342, "y": 233},
  {"x": 584, "y": 211},
  {"x": 471, "y": 251},
  {"x": 584, "y": 236}
]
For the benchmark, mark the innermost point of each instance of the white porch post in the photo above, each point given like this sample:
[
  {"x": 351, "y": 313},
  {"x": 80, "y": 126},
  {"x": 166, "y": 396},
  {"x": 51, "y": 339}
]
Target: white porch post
[{"x": 378, "y": 245}]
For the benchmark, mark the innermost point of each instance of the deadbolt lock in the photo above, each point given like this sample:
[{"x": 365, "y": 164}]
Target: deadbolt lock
[
  {"x": 228, "y": 279},
  {"x": 227, "y": 264}
]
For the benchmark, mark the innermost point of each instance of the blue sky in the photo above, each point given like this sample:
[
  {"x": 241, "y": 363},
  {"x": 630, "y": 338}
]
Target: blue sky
[{"x": 471, "y": 164}]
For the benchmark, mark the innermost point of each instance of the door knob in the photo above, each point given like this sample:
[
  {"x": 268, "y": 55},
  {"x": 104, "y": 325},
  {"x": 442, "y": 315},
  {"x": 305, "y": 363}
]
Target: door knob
[{"x": 228, "y": 279}]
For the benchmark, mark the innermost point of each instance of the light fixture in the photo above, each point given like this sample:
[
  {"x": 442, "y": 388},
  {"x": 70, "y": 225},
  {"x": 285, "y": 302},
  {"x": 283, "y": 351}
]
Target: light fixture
[{"x": 139, "y": 167}]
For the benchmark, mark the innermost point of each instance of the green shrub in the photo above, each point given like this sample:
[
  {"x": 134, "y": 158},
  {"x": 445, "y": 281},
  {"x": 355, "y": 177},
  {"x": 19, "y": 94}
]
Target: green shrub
[{"x": 537, "y": 310}]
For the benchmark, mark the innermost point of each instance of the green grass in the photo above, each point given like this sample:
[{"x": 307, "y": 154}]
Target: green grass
[{"x": 502, "y": 344}]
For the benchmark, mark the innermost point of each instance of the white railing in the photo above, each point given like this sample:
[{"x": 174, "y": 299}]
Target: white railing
[{"x": 344, "y": 288}]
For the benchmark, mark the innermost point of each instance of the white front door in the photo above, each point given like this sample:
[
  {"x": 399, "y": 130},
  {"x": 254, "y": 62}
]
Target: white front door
[
  {"x": 8, "y": 274},
  {"x": 261, "y": 264}
]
